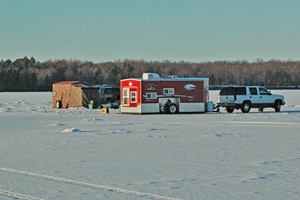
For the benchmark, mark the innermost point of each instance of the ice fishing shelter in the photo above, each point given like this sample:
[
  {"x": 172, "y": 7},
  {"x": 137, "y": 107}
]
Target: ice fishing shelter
[
  {"x": 71, "y": 94},
  {"x": 153, "y": 94}
]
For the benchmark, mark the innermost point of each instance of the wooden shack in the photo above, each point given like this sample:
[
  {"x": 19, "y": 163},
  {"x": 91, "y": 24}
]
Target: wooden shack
[{"x": 72, "y": 94}]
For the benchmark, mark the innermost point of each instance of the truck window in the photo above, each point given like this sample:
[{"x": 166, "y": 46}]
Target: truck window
[
  {"x": 240, "y": 91},
  {"x": 108, "y": 91},
  {"x": 116, "y": 91},
  {"x": 224, "y": 91},
  {"x": 253, "y": 91},
  {"x": 228, "y": 91},
  {"x": 263, "y": 91}
]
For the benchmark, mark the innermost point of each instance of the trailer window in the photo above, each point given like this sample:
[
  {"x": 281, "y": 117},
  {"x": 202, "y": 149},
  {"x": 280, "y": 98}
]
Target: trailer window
[
  {"x": 54, "y": 94},
  {"x": 168, "y": 90},
  {"x": 152, "y": 95},
  {"x": 67, "y": 93},
  {"x": 133, "y": 97},
  {"x": 126, "y": 96}
]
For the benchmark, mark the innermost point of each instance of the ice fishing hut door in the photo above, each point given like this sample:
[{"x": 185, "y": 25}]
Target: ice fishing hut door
[{"x": 130, "y": 97}]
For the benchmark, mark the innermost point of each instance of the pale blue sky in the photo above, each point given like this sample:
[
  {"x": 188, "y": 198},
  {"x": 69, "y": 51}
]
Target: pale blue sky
[{"x": 153, "y": 30}]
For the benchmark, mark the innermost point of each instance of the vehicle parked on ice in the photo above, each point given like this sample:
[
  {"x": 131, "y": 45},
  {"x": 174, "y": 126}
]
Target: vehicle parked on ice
[
  {"x": 153, "y": 94},
  {"x": 109, "y": 94},
  {"x": 247, "y": 97}
]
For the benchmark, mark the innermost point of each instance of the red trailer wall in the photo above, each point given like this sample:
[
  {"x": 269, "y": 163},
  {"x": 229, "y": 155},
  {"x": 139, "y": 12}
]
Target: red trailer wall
[{"x": 179, "y": 91}]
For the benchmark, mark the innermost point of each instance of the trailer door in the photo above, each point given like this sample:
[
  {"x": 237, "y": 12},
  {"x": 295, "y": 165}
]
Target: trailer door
[{"x": 130, "y": 96}]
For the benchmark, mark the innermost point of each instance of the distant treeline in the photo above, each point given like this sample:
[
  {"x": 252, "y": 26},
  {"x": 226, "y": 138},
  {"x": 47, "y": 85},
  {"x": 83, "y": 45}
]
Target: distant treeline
[{"x": 30, "y": 75}]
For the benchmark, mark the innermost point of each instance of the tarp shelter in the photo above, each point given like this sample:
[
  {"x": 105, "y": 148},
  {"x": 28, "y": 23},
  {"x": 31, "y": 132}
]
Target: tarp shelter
[{"x": 72, "y": 94}]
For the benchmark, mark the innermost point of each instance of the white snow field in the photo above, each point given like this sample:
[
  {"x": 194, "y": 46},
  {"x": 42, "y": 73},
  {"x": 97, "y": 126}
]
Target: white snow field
[{"x": 49, "y": 153}]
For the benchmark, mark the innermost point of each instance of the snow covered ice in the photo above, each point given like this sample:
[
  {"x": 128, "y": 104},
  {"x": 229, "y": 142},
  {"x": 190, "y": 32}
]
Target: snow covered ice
[{"x": 49, "y": 153}]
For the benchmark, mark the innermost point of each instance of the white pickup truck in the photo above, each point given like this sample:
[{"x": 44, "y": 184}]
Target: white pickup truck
[{"x": 247, "y": 97}]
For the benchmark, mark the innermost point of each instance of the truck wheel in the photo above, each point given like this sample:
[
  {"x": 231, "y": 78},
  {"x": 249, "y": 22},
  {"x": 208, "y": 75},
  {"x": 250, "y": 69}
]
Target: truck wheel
[
  {"x": 229, "y": 110},
  {"x": 277, "y": 106},
  {"x": 246, "y": 107},
  {"x": 58, "y": 104},
  {"x": 260, "y": 109},
  {"x": 173, "y": 109}
]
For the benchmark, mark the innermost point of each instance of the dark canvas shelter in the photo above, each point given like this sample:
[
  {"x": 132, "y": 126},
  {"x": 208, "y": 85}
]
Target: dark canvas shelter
[{"x": 72, "y": 94}]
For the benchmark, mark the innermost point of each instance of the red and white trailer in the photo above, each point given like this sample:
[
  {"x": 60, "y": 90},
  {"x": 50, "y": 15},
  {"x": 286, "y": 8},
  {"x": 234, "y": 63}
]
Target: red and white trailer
[{"x": 152, "y": 94}]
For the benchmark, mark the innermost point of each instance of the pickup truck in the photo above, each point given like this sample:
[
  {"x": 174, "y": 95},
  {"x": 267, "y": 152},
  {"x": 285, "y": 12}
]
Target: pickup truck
[
  {"x": 109, "y": 94},
  {"x": 247, "y": 97}
]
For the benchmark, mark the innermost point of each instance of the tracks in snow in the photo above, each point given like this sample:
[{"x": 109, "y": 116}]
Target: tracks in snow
[
  {"x": 17, "y": 195},
  {"x": 89, "y": 185}
]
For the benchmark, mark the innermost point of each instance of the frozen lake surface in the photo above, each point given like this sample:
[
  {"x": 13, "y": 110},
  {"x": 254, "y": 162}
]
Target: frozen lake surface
[{"x": 55, "y": 154}]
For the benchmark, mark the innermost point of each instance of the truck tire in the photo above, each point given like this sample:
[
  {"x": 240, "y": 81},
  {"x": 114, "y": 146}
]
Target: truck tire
[
  {"x": 246, "y": 106},
  {"x": 277, "y": 106},
  {"x": 173, "y": 109},
  {"x": 229, "y": 109}
]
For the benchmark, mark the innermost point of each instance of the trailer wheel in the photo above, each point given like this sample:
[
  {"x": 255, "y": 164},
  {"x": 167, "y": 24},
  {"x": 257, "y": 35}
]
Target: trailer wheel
[
  {"x": 173, "y": 109},
  {"x": 58, "y": 104},
  {"x": 167, "y": 106}
]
